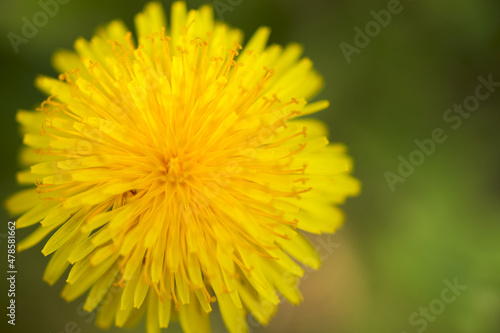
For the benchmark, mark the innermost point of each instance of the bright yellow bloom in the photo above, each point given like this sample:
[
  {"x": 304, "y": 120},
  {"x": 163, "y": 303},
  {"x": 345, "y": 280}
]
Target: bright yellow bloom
[{"x": 177, "y": 173}]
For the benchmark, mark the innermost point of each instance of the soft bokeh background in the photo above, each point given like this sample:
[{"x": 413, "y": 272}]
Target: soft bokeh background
[{"x": 396, "y": 249}]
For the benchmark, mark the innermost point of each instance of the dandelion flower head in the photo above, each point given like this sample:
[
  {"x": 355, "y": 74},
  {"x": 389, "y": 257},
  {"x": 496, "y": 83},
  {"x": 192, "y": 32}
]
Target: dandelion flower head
[{"x": 175, "y": 169}]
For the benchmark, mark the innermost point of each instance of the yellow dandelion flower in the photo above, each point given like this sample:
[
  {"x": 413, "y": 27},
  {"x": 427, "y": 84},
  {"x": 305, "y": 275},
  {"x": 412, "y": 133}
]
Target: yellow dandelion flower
[{"x": 175, "y": 171}]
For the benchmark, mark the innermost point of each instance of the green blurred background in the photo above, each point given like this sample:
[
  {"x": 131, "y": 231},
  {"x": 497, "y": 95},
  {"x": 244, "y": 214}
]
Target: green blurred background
[{"x": 397, "y": 247}]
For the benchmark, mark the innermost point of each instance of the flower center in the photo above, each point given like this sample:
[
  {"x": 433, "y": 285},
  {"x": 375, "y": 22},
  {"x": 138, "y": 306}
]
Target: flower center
[{"x": 174, "y": 170}]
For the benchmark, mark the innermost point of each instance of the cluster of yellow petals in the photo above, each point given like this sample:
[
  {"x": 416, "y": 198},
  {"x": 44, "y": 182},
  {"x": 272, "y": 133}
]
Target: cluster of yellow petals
[{"x": 177, "y": 172}]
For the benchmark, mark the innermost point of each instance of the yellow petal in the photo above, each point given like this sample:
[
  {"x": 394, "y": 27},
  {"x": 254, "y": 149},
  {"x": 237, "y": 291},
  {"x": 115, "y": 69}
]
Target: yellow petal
[
  {"x": 92, "y": 274},
  {"x": 22, "y": 201},
  {"x": 233, "y": 317},
  {"x": 108, "y": 309},
  {"x": 152, "y": 321},
  {"x": 164, "y": 312},
  {"x": 64, "y": 233},
  {"x": 35, "y": 214},
  {"x": 192, "y": 319},
  {"x": 302, "y": 250},
  {"x": 35, "y": 237},
  {"x": 256, "y": 44},
  {"x": 59, "y": 260},
  {"x": 99, "y": 290},
  {"x": 150, "y": 20}
]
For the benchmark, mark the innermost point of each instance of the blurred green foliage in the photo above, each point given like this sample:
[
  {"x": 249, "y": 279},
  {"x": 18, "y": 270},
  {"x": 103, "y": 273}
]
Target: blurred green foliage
[{"x": 396, "y": 248}]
